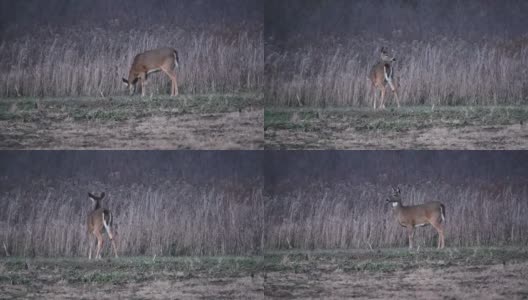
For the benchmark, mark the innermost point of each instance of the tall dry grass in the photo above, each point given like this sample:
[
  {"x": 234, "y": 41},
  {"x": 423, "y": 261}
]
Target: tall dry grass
[
  {"x": 78, "y": 61},
  {"x": 440, "y": 71},
  {"x": 356, "y": 216},
  {"x": 170, "y": 218}
]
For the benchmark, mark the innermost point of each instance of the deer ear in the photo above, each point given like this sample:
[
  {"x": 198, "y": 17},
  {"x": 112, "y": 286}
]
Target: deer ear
[
  {"x": 398, "y": 190},
  {"x": 125, "y": 81},
  {"x": 92, "y": 197},
  {"x": 102, "y": 196}
]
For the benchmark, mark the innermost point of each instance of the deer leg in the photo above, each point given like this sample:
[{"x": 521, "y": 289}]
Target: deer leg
[
  {"x": 374, "y": 98},
  {"x": 410, "y": 232},
  {"x": 174, "y": 82},
  {"x": 115, "y": 248},
  {"x": 99, "y": 245},
  {"x": 90, "y": 250},
  {"x": 372, "y": 94},
  {"x": 382, "y": 104},
  {"x": 397, "y": 97},
  {"x": 440, "y": 229},
  {"x": 110, "y": 235},
  {"x": 441, "y": 241},
  {"x": 143, "y": 79}
]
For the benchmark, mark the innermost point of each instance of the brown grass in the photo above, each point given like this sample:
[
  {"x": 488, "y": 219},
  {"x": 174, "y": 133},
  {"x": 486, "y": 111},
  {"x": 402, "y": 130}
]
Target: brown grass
[
  {"x": 75, "y": 61},
  {"x": 439, "y": 71},
  {"x": 169, "y": 218},
  {"x": 347, "y": 216}
]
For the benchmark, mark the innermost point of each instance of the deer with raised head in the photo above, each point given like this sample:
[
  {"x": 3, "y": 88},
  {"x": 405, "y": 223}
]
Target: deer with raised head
[
  {"x": 413, "y": 216},
  {"x": 100, "y": 220},
  {"x": 381, "y": 75},
  {"x": 148, "y": 62}
]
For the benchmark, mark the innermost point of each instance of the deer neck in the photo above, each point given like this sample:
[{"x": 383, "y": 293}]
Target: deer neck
[{"x": 397, "y": 206}]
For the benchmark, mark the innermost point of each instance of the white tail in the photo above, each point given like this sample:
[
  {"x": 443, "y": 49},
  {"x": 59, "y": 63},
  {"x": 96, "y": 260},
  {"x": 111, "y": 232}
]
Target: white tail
[{"x": 162, "y": 59}]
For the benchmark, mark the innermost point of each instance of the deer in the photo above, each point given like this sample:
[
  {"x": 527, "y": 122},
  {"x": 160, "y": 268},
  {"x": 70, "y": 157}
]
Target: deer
[
  {"x": 381, "y": 75},
  {"x": 100, "y": 220},
  {"x": 413, "y": 216},
  {"x": 151, "y": 61}
]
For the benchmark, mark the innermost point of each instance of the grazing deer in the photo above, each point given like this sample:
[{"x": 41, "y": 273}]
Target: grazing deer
[
  {"x": 162, "y": 59},
  {"x": 100, "y": 220},
  {"x": 419, "y": 215},
  {"x": 382, "y": 74}
]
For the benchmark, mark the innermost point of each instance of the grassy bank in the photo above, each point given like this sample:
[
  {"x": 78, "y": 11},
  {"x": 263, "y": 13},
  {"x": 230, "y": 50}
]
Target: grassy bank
[{"x": 410, "y": 127}]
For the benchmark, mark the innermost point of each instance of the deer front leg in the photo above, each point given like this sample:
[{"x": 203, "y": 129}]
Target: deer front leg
[
  {"x": 410, "y": 232},
  {"x": 90, "y": 249}
]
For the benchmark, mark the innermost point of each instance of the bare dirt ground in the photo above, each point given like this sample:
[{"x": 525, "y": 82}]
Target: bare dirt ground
[
  {"x": 407, "y": 128},
  {"x": 133, "y": 278},
  {"x": 195, "y": 122},
  {"x": 479, "y": 273}
]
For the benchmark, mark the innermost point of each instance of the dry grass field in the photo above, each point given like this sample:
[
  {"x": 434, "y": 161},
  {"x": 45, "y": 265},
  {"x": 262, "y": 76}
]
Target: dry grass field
[
  {"x": 63, "y": 63},
  {"x": 460, "y": 76},
  {"x": 208, "y": 121}
]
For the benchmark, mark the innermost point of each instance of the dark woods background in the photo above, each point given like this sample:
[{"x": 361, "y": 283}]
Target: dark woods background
[
  {"x": 26, "y": 16},
  {"x": 289, "y": 22},
  {"x": 302, "y": 168}
]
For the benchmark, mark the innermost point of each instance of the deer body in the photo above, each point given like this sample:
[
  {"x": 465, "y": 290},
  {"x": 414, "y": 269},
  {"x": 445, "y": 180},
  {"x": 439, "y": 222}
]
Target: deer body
[
  {"x": 161, "y": 59},
  {"x": 381, "y": 75},
  {"x": 100, "y": 220},
  {"x": 413, "y": 216}
]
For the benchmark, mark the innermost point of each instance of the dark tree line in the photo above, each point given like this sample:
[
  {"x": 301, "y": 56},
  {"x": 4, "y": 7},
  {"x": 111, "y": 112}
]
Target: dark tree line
[
  {"x": 395, "y": 167},
  {"x": 147, "y": 167},
  {"x": 406, "y": 19}
]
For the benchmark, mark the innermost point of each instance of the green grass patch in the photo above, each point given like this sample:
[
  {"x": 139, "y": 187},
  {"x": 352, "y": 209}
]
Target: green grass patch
[
  {"x": 392, "y": 119},
  {"x": 123, "y": 108},
  {"x": 20, "y": 270},
  {"x": 389, "y": 260}
]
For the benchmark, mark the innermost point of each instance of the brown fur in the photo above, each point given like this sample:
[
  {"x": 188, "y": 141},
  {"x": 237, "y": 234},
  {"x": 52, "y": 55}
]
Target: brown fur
[
  {"x": 162, "y": 59},
  {"x": 95, "y": 222},
  {"x": 419, "y": 215},
  {"x": 378, "y": 80}
]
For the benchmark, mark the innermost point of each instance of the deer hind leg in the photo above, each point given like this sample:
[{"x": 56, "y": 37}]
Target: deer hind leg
[
  {"x": 440, "y": 229},
  {"x": 99, "y": 244},
  {"x": 397, "y": 97},
  {"x": 172, "y": 76},
  {"x": 110, "y": 236},
  {"x": 372, "y": 95},
  {"x": 143, "y": 80},
  {"x": 410, "y": 232},
  {"x": 382, "y": 103},
  {"x": 90, "y": 250}
]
